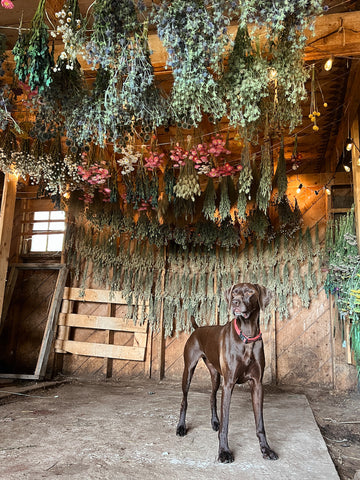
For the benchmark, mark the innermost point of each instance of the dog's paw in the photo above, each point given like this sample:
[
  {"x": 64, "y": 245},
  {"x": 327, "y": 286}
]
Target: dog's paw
[
  {"x": 269, "y": 454},
  {"x": 181, "y": 430},
  {"x": 226, "y": 457},
  {"x": 215, "y": 425}
]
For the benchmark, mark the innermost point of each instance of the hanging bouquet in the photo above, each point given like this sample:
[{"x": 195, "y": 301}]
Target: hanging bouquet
[
  {"x": 97, "y": 176},
  {"x": 194, "y": 33},
  {"x": 187, "y": 186},
  {"x": 72, "y": 28},
  {"x": 128, "y": 161},
  {"x": 33, "y": 60}
]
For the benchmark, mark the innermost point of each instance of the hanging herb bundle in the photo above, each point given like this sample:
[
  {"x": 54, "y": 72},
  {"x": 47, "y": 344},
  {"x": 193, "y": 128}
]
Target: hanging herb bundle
[
  {"x": 280, "y": 178},
  {"x": 72, "y": 28},
  {"x": 112, "y": 22},
  {"x": 5, "y": 92},
  {"x": 289, "y": 218},
  {"x": 54, "y": 107},
  {"x": 31, "y": 53},
  {"x": 86, "y": 124},
  {"x": 187, "y": 186},
  {"x": 194, "y": 35},
  {"x": 258, "y": 224},
  {"x": 265, "y": 186},
  {"x": 244, "y": 182},
  {"x": 209, "y": 205},
  {"x": 244, "y": 84},
  {"x": 225, "y": 203}
]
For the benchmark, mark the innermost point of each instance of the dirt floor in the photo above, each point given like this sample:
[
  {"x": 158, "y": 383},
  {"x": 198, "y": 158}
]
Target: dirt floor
[
  {"x": 125, "y": 430},
  {"x": 338, "y": 417}
]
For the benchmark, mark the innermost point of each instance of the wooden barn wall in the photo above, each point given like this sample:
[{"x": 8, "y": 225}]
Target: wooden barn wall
[{"x": 299, "y": 350}]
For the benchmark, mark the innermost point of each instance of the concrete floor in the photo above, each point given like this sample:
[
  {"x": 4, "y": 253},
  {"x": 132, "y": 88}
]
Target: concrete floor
[{"x": 127, "y": 431}]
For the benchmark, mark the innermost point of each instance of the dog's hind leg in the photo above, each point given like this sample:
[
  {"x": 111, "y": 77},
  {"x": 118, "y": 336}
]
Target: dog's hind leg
[
  {"x": 215, "y": 381},
  {"x": 190, "y": 361}
]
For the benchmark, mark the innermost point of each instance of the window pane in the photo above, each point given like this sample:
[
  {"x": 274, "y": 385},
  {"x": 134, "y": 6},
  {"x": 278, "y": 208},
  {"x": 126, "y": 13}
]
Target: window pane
[
  {"x": 41, "y": 215},
  {"x": 55, "y": 242},
  {"x": 41, "y": 226},
  {"x": 38, "y": 243},
  {"x": 56, "y": 226},
  {"x": 57, "y": 215}
]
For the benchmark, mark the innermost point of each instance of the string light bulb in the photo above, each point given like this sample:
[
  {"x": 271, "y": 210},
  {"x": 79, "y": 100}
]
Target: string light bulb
[
  {"x": 349, "y": 144},
  {"x": 347, "y": 168},
  {"x": 328, "y": 191},
  {"x": 328, "y": 64},
  {"x": 299, "y": 188}
]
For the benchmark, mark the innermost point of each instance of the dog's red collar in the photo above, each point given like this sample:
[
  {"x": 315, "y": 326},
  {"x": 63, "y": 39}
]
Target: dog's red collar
[{"x": 244, "y": 337}]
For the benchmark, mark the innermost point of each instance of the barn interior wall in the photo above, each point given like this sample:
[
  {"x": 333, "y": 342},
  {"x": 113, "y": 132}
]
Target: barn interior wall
[{"x": 305, "y": 349}]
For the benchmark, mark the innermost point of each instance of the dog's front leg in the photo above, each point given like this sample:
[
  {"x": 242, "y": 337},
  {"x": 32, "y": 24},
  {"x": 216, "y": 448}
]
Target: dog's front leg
[
  {"x": 225, "y": 456},
  {"x": 257, "y": 396}
]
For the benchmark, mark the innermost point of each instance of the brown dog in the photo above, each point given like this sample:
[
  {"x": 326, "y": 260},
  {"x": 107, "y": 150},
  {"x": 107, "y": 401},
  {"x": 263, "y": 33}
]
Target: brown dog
[{"x": 234, "y": 351}]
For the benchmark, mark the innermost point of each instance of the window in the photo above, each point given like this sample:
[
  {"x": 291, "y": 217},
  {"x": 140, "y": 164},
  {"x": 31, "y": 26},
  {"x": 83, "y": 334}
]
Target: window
[{"x": 48, "y": 232}]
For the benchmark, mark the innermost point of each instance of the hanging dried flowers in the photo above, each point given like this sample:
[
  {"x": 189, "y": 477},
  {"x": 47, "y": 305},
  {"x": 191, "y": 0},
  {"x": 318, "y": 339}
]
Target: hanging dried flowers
[
  {"x": 194, "y": 35},
  {"x": 33, "y": 60},
  {"x": 128, "y": 161},
  {"x": 72, "y": 28},
  {"x": 244, "y": 182},
  {"x": 209, "y": 205},
  {"x": 245, "y": 81},
  {"x": 280, "y": 178},
  {"x": 263, "y": 194},
  {"x": 187, "y": 186}
]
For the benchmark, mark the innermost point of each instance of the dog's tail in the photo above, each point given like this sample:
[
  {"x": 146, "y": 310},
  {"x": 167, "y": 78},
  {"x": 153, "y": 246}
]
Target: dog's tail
[{"x": 193, "y": 323}]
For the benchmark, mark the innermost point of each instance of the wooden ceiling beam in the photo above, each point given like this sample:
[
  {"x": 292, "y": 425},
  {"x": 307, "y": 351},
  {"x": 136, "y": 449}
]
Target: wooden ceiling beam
[
  {"x": 336, "y": 34},
  {"x": 351, "y": 107}
]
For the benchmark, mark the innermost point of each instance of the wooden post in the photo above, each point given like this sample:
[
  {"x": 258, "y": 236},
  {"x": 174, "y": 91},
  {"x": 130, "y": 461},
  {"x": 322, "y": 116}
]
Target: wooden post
[
  {"x": 355, "y": 154},
  {"x": 6, "y": 226}
]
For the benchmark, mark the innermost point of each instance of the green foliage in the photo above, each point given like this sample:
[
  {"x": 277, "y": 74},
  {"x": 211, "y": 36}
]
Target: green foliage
[
  {"x": 343, "y": 279},
  {"x": 280, "y": 178},
  {"x": 31, "y": 53},
  {"x": 265, "y": 186},
  {"x": 194, "y": 35}
]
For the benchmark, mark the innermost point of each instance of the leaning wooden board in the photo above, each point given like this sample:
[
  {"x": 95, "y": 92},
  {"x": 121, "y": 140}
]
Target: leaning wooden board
[{"x": 68, "y": 320}]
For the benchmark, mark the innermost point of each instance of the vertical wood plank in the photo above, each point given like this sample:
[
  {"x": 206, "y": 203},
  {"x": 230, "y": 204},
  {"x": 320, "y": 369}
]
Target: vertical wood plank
[
  {"x": 356, "y": 174},
  {"x": 6, "y": 226},
  {"x": 109, "y": 340},
  {"x": 43, "y": 358}
]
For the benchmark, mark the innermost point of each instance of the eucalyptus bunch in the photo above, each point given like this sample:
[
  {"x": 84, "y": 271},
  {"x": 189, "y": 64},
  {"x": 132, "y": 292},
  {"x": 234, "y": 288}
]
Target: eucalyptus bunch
[
  {"x": 33, "y": 60},
  {"x": 195, "y": 36}
]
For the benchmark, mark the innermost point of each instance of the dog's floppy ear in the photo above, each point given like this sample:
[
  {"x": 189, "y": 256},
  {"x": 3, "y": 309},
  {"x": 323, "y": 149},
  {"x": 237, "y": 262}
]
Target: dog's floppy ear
[
  {"x": 228, "y": 294},
  {"x": 265, "y": 296}
]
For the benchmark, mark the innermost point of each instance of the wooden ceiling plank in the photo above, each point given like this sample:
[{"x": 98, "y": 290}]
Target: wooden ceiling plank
[
  {"x": 335, "y": 34},
  {"x": 351, "y": 107}
]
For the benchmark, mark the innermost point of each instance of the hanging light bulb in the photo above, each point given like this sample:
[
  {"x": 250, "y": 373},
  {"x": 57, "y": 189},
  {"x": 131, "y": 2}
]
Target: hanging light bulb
[
  {"x": 328, "y": 191},
  {"x": 349, "y": 144},
  {"x": 328, "y": 64},
  {"x": 347, "y": 168},
  {"x": 299, "y": 188}
]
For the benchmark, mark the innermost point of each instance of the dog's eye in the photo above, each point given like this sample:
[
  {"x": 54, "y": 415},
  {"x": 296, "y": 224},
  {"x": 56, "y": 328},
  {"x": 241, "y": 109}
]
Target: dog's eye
[{"x": 248, "y": 294}]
